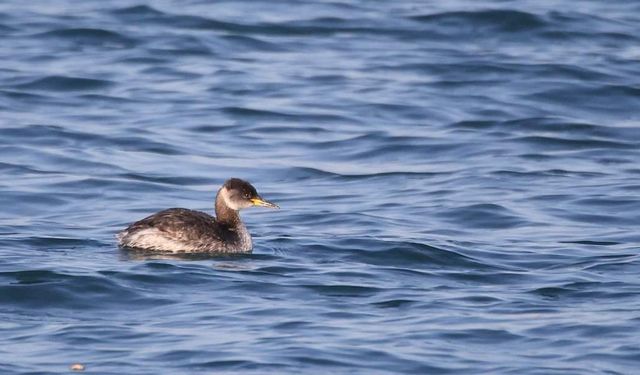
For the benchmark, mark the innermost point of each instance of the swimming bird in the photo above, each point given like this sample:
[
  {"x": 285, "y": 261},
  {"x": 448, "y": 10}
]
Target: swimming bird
[{"x": 180, "y": 230}]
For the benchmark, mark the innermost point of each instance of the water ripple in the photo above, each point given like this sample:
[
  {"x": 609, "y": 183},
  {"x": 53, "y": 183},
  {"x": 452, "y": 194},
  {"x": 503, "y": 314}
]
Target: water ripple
[
  {"x": 62, "y": 83},
  {"x": 89, "y": 36},
  {"x": 502, "y": 20}
]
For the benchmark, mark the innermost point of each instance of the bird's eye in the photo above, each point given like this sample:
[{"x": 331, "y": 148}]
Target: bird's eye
[{"x": 246, "y": 196}]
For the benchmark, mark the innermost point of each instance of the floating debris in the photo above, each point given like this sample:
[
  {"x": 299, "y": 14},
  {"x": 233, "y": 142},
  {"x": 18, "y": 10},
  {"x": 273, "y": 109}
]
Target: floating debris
[{"x": 77, "y": 367}]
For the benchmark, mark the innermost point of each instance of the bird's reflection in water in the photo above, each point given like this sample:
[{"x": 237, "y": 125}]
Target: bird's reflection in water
[{"x": 223, "y": 261}]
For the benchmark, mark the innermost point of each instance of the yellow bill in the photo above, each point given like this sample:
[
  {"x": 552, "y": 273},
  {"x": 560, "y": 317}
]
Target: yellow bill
[{"x": 261, "y": 202}]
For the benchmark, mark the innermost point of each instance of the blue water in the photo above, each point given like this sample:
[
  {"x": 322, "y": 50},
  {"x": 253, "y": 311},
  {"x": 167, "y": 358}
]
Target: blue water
[{"x": 459, "y": 183}]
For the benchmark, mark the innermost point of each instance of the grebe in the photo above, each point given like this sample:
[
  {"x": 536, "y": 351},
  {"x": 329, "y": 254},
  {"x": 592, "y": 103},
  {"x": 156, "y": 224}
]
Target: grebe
[{"x": 179, "y": 230}]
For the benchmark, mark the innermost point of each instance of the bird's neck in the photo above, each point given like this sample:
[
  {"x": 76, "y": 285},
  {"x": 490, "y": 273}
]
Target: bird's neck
[{"x": 226, "y": 215}]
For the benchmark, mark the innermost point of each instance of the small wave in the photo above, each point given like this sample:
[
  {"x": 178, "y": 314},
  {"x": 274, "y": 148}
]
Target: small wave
[
  {"x": 607, "y": 98},
  {"x": 64, "y": 83},
  {"x": 169, "y": 180},
  {"x": 21, "y": 96},
  {"x": 623, "y": 263},
  {"x": 6, "y": 29},
  {"x": 565, "y": 36},
  {"x": 481, "y": 336},
  {"x": 171, "y": 72},
  {"x": 483, "y": 216},
  {"x": 252, "y": 43},
  {"x": 594, "y": 243},
  {"x": 149, "y": 15},
  {"x": 394, "y": 303},
  {"x": 90, "y": 36},
  {"x": 137, "y": 11},
  {"x": 501, "y": 19},
  {"x": 550, "y": 125},
  {"x": 315, "y": 27},
  {"x": 587, "y": 291},
  {"x": 343, "y": 290},
  {"x": 309, "y": 119},
  {"x": 53, "y": 243},
  {"x": 304, "y": 173},
  {"x": 146, "y": 145},
  {"x": 239, "y": 365},
  {"x": 48, "y": 135},
  {"x": 557, "y": 143},
  {"x": 19, "y": 169},
  {"x": 415, "y": 256},
  {"x": 45, "y": 289},
  {"x": 106, "y": 99},
  {"x": 145, "y": 60},
  {"x": 42, "y": 134},
  {"x": 239, "y": 111}
]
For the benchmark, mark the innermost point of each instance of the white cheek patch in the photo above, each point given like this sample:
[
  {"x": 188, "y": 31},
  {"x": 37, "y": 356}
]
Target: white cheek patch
[{"x": 227, "y": 199}]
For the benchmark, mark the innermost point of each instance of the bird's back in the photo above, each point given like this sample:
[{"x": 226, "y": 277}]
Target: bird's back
[{"x": 183, "y": 230}]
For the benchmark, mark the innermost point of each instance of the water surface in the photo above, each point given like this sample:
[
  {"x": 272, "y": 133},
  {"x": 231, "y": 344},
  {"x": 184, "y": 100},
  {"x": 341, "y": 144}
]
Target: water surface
[{"x": 459, "y": 184}]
